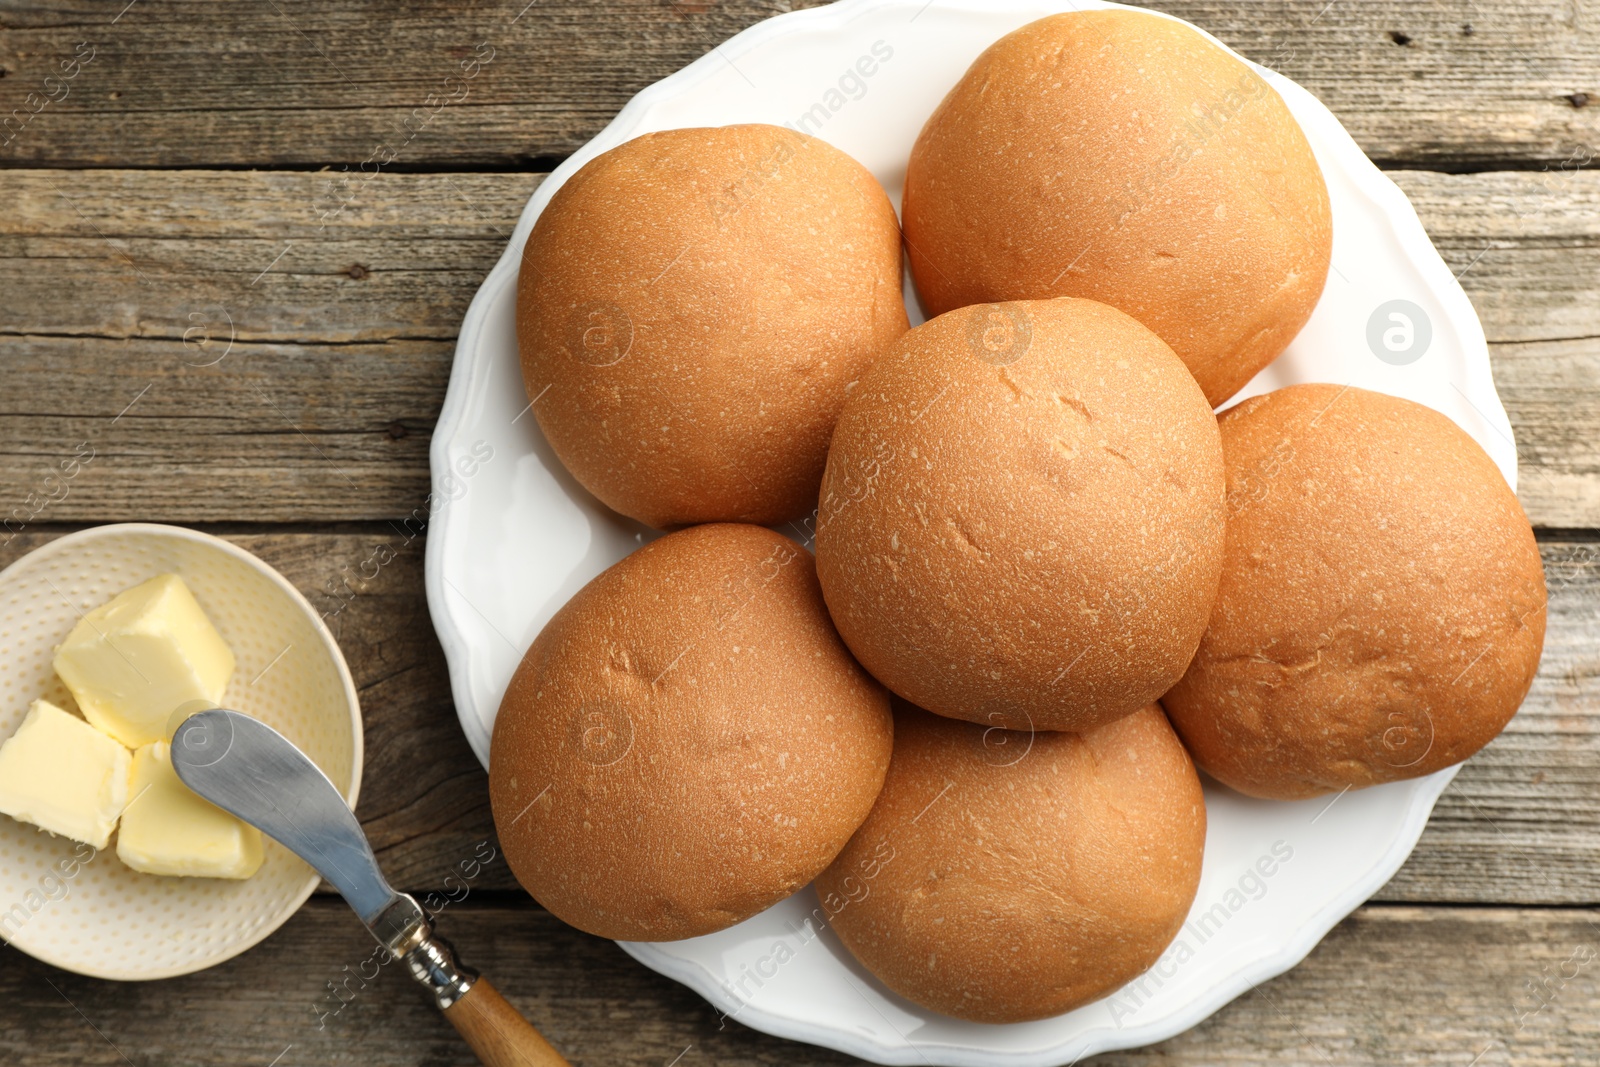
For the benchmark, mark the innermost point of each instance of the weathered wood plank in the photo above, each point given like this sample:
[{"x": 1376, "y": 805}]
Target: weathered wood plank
[
  {"x": 341, "y": 333},
  {"x": 226, "y": 352},
  {"x": 205, "y": 257},
  {"x": 1527, "y": 248},
  {"x": 1520, "y": 824},
  {"x": 1431, "y": 987},
  {"x": 294, "y": 82},
  {"x": 276, "y": 432}
]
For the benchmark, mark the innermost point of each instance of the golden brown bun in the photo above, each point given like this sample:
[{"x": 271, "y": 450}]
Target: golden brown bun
[
  {"x": 687, "y": 742},
  {"x": 1022, "y": 518},
  {"x": 1007, "y": 876},
  {"x": 1382, "y": 602},
  {"x": 1121, "y": 156},
  {"x": 691, "y": 308}
]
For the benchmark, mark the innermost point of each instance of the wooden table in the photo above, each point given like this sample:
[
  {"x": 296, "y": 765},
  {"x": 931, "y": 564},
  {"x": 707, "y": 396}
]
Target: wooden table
[{"x": 235, "y": 245}]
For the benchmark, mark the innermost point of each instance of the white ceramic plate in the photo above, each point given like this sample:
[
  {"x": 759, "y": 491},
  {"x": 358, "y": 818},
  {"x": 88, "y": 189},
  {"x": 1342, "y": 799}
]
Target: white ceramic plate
[
  {"x": 513, "y": 536},
  {"x": 84, "y": 911}
]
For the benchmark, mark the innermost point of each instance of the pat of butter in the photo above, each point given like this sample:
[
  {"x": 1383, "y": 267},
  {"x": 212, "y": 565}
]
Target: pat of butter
[
  {"x": 62, "y": 775},
  {"x": 136, "y": 659},
  {"x": 169, "y": 829}
]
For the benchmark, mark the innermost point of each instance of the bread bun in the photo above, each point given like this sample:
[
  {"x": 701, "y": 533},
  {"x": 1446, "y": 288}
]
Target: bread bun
[
  {"x": 1123, "y": 156},
  {"x": 691, "y": 308},
  {"x": 1021, "y": 520},
  {"x": 1382, "y": 602},
  {"x": 1004, "y": 877},
  {"x": 687, "y": 742}
]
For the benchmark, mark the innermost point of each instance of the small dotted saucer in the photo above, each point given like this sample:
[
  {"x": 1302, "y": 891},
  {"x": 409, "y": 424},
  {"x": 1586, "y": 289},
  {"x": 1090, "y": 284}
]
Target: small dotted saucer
[{"x": 64, "y": 903}]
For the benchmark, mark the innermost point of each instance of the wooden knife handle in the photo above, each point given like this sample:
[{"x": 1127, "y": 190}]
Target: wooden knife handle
[{"x": 497, "y": 1032}]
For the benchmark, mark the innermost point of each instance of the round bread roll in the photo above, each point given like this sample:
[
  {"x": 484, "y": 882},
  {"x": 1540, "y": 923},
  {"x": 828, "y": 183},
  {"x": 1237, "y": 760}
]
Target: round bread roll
[
  {"x": 1382, "y": 604},
  {"x": 1022, "y": 516},
  {"x": 693, "y": 305},
  {"x": 1124, "y": 157},
  {"x": 1010, "y": 876},
  {"x": 687, "y": 741}
]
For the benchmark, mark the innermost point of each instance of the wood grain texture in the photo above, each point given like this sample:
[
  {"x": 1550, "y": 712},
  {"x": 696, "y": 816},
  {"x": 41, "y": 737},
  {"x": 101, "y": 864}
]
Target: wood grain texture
[
  {"x": 225, "y": 353},
  {"x": 1527, "y": 249},
  {"x": 293, "y": 82},
  {"x": 1520, "y": 824},
  {"x": 127, "y": 255},
  {"x": 1426, "y": 987},
  {"x": 295, "y": 366}
]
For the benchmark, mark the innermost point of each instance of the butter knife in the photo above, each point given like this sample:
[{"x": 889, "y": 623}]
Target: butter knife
[{"x": 248, "y": 769}]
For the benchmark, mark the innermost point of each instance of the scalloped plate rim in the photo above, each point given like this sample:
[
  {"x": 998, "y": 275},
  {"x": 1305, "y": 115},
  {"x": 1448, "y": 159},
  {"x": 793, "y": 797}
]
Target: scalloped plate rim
[{"x": 1387, "y": 200}]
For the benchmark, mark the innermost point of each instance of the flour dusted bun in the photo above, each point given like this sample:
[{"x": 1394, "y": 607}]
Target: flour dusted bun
[
  {"x": 1382, "y": 603},
  {"x": 687, "y": 742},
  {"x": 1007, "y": 876},
  {"x": 691, "y": 308},
  {"x": 1124, "y": 157},
  {"x": 1021, "y": 520}
]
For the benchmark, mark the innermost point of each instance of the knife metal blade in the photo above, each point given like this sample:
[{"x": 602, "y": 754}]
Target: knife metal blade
[{"x": 249, "y": 770}]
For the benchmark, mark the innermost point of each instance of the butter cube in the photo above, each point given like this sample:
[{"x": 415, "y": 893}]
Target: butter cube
[
  {"x": 62, "y": 775},
  {"x": 133, "y": 661},
  {"x": 169, "y": 829}
]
